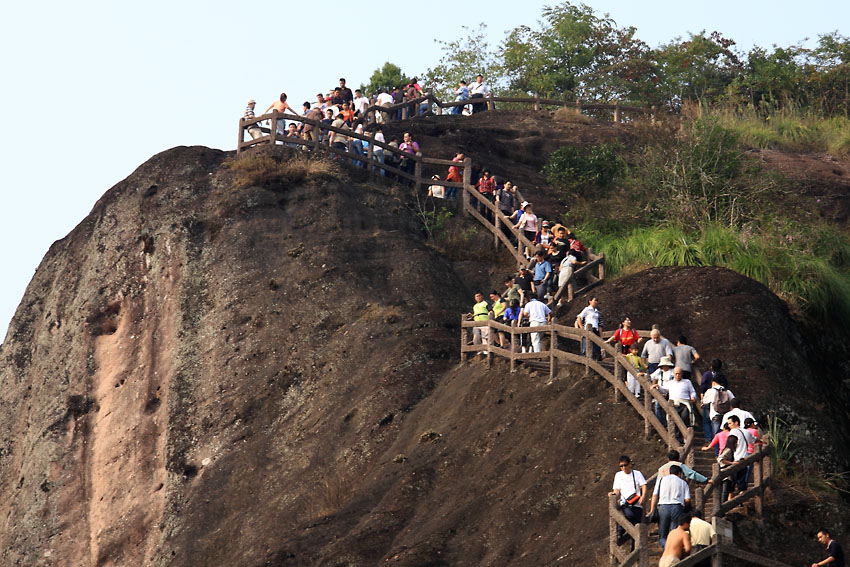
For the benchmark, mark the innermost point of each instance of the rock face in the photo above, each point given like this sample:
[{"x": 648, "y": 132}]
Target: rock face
[{"x": 199, "y": 375}]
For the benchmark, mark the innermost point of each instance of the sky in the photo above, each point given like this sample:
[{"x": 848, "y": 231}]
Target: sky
[{"x": 95, "y": 88}]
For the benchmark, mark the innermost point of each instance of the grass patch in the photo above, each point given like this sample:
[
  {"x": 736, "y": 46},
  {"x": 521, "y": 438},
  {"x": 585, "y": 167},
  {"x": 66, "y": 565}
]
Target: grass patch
[
  {"x": 808, "y": 268},
  {"x": 275, "y": 169}
]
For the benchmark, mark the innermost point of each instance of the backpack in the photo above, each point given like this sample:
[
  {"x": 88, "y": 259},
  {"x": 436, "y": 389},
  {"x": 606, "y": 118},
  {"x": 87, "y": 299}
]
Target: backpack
[{"x": 722, "y": 402}]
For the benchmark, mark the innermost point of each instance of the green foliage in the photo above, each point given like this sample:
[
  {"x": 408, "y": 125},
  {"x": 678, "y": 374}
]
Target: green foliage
[
  {"x": 386, "y": 77},
  {"x": 780, "y": 442},
  {"x": 805, "y": 266},
  {"x": 699, "y": 69},
  {"x": 571, "y": 168},
  {"x": 574, "y": 53},
  {"x": 464, "y": 59}
]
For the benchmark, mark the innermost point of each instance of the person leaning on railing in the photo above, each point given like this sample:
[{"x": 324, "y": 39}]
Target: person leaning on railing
[
  {"x": 253, "y": 129},
  {"x": 480, "y": 312}
]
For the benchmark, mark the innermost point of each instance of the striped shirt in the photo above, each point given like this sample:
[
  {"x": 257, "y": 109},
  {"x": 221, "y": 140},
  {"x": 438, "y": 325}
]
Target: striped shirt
[{"x": 249, "y": 113}]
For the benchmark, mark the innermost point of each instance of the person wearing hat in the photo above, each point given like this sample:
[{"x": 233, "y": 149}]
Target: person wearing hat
[
  {"x": 527, "y": 223},
  {"x": 253, "y": 129},
  {"x": 544, "y": 237},
  {"x": 661, "y": 379},
  {"x": 436, "y": 190}
]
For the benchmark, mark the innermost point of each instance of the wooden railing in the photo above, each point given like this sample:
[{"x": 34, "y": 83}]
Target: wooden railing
[
  {"x": 761, "y": 475},
  {"x": 403, "y": 109},
  {"x": 515, "y": 241},
  {"x": 559, "y": 335}
]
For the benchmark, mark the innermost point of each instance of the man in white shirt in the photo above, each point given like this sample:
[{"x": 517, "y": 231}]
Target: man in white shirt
[
  {"x": 361, "y": 103},
  {"x": 588, "y": 319},
  {"x": 683, "y": 395},
  {"x": 661, "y": 378},
  {"x": 736, "y": 410},
  {"x": 628, "y": 485},
  {"x": 478, "y": 91},
  {"x": 538, "y": 314},
  {"x": 745, "y": 439},
  {"x": 384, "y": 99},
  {"x": 670, "y": 498}
]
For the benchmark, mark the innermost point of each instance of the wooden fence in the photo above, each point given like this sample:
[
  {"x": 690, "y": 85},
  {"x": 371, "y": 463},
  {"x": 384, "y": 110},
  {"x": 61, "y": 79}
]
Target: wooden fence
[
  {"x": 560, "y": 336},
  {"x": 413, "y": 107}
]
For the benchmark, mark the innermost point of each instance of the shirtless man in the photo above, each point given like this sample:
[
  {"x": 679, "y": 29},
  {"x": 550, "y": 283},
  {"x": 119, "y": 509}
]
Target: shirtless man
[{"x": 678, "y": 544}]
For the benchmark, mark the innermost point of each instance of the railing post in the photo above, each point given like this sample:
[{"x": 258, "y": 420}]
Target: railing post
[
  {"x": 241, "y": 135},
  {"x": 513, "y": 346},
  {"x": 536, "y": 101},
  {"x": 652, "y": 114},
  {"x": 618, "y": 373},
  {"x": 616, "y": 111},
  {"x": 671, "y": 427},
  {"x": 273, "y": 133},
  {"x": 467, "y": 181},
  {"x": 698, "y": 498},
  {"x": 496, "y": 222},
  {"x": 587, "y": 351},
  {"x": 553, "y": 344},
  {"x": 758, "y": 479},
  {"x": 489, "y": 344},
  {"x": 647, "y": 406},
  {"x": 491, "y": 104},
  {"x": 464, "y": 340},
  {"x": 578, "y": 106},
  {"x": 371, "y": 155},
  {"x": 716, "y": 502},
  {"x": 612, "y": 531},
  {"x": 643, "y": 545},
  {"x": 417, "y": 171}
]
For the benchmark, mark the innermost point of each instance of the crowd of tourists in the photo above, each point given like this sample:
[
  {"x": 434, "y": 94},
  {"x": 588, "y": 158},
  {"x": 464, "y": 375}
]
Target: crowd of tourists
[{"x": 344, "y": 109}]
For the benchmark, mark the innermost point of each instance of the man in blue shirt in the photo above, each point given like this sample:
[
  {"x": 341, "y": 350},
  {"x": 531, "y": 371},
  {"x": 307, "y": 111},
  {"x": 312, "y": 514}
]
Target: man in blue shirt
[{"x": 542, "y": 275}]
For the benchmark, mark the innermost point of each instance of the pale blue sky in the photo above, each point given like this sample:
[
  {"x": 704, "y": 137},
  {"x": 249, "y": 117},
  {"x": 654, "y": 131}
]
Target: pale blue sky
[{"x": 92, "y": 89}]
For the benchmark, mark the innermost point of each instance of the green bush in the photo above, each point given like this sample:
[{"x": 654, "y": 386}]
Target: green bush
[{"x": 571, "y": 168}]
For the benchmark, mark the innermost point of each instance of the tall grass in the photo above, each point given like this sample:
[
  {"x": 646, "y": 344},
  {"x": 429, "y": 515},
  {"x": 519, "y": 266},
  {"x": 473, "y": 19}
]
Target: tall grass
[
  {"x": 810, "y": 270},
  {"x": 787, "y": 129}
]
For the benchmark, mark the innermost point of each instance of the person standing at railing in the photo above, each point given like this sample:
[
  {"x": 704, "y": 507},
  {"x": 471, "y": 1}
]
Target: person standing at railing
[
  {"x": 626, "y": 335},
  {"x": 339, "y": 140},
  {"x": 833, "y": 548},
  {"x": 378, "y": 151},
  {"x": 253, "y": 130},
  {"x": 310, "y": 132},
  {"x": 454, "y": 176},
  {"x": 487, "y": 188},
  {"x": 589, "y": 320},
  {"x": 634, "y": 358},
  {"x": 538, "y": 314},
  {"x": 478, "y": 90},
  {"x": 527, "y": 224},
  {"x": 512, "y": 315},
  {"x": 705, "y": 384},
  {"x": 480, "y": 312},
  {"x": 281, "y": 106},
  {"x": 630, "y": 489},
  {"x": 384, "y": 99},
  {"x": 499, "y": 307},
  {"x": 462, "y": 92},
  {"x": 409, "y": 148},
  {"x": 360, "y": 104}
]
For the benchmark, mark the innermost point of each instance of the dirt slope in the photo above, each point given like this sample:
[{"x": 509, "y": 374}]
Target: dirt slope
[{"x": 204, "y": 376}]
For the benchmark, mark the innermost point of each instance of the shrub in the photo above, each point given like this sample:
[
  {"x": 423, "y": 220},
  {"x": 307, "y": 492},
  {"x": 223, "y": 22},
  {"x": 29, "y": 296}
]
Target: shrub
[{"x": 572, "y": 168}]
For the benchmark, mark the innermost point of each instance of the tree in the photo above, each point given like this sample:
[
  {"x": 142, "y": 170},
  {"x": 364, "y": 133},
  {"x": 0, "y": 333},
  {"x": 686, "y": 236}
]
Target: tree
[
  {"x": 575, "y": 53},
  {"x": 700, "y": 69},
  {"x": 386, "y": 77},
  {"x": 464, "y": 59}
]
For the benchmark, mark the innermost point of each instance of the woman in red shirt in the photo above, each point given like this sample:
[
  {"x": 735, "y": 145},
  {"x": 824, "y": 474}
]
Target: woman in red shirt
[{"x": 625, "y": 335}]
